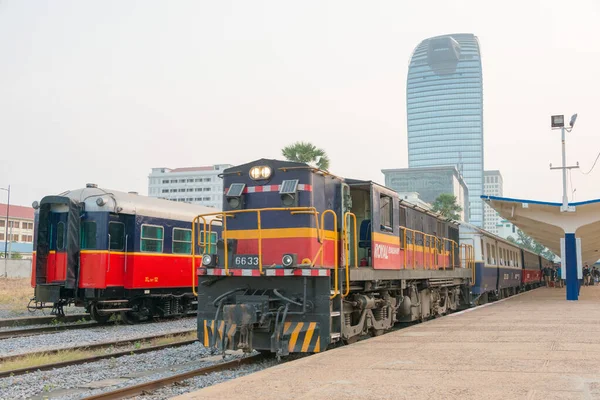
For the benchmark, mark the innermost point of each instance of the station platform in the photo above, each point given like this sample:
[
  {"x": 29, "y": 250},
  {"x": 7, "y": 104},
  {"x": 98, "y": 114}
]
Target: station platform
[{"x": 535, "y": 345}]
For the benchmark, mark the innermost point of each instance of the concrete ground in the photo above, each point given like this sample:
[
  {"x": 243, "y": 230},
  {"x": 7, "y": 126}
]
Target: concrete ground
[{"x": 532, "y": 346}]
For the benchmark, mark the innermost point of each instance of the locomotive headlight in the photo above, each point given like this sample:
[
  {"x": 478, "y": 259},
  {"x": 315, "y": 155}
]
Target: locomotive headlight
[
  {"x": 289, "y": 260},
  {"x": 234, "y": 202},
  {"x": 35, "y": 205},
  {"x": 261, "y": 172},
  {"x": 207, "y": 260},
  {"x": 100, "y": 201}
]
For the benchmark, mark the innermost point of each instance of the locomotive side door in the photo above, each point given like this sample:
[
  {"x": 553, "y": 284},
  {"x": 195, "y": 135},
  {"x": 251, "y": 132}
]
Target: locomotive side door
[
  {"x": 115, "y": 268},
  {"x": 347, "y": 207}
]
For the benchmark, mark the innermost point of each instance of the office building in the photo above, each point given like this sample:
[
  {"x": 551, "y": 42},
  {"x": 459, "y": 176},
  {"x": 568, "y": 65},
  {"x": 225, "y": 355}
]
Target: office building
[
  {"x": 444, "y": 98},
  {"x": 196, "y": 185},
  {"x": 492, "y": 186},
  {"x": 429, "y": 183},
  {"x": 19, "y": 232}
]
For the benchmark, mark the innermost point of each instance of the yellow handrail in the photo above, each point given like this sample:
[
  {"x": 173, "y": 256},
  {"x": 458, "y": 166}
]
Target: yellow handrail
[
  {"x": 335, "y": 261},
  {"x": 347, "y": 249},
  {"x": 194, "y": 222}
]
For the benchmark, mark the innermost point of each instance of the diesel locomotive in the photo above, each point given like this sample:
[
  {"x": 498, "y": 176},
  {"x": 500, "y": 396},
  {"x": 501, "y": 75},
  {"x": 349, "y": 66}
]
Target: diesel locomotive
[
  {"x": 307, "y": 259},
  {"x": 115, "y": 253}
]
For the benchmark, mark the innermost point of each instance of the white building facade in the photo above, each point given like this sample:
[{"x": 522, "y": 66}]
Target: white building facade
[
  {"x": 492, "y": 186},
  {"x": 196, "y": 185},
  {"x": 414, "y": 198}
]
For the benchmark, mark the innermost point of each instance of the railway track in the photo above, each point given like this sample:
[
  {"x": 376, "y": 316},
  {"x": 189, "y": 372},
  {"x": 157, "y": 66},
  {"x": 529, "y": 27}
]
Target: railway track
[
  {"x": 40, "y": 320},
  {"x": 146, "y": 387},
  {"x": 98, "y": 346},
  {"x": 14, "y": 333}
]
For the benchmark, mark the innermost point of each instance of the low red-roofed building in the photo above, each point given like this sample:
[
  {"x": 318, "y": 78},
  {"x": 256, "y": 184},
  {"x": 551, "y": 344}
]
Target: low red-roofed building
[{"x": 19, "y": 230}]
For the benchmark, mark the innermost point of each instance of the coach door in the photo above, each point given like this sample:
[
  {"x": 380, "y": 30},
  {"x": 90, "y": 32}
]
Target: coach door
[{"x": 115, "y": 268}]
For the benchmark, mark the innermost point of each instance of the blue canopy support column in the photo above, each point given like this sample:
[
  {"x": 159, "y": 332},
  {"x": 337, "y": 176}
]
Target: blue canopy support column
[
  {"x": 570, "y": 256},
  {"x": 547, "y": 224}
]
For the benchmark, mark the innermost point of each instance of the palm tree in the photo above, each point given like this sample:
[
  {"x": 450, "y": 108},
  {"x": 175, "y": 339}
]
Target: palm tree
[{"x": 308, "y": 153}]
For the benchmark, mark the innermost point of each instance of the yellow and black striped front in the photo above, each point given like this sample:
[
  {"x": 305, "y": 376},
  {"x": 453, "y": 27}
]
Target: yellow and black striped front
[
  {"x": 301, "y": 337},
  {"x": 210, "y": 330}
]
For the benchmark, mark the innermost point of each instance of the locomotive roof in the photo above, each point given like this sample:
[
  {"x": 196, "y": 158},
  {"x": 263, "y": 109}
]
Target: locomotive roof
[
  {"x": 270, "y": 162},
  {"x": 134, "y": 204}
]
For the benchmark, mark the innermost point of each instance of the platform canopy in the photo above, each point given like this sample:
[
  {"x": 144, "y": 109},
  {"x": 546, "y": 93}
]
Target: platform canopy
[{"x": 545, "y": 222}]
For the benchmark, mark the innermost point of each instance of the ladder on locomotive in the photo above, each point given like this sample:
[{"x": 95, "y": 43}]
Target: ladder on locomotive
[{"x": 337, "y": 296}]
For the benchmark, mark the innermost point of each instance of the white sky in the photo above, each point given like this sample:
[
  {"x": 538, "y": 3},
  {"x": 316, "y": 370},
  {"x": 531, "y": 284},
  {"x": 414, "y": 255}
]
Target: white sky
[{"x": 103, "y": 91}]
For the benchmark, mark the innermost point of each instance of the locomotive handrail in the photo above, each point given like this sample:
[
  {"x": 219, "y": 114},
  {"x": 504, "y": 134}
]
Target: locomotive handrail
[
  {"x": 347, "y": 249},
  {"x": 258, "y": 211},
  {"x": 336, "y": 259}
]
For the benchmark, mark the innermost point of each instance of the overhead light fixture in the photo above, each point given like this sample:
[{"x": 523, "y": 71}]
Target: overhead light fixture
[
  {"x": 557, "y": 121},
  {"x": 573, "y": 119}
]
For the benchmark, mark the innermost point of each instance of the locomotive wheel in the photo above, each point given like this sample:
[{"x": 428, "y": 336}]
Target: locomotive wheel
[
  {"x": 377, "y": 332},
  {"x": 129, "y": 318},
  {"x": 351, "y": 340},
  {"x": 99, "y": 318}
]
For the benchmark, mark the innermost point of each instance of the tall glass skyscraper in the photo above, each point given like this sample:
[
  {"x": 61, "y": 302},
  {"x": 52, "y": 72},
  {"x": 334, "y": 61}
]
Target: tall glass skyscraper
[{"x": 444, "y": 97}]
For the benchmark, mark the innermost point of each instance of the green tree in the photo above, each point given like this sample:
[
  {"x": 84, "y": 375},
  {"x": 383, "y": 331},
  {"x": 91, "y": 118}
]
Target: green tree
[
  {"x": 308, "y": 153},
  {"x": 526, "y": 242},
  {"x": 447, "y": 205}
]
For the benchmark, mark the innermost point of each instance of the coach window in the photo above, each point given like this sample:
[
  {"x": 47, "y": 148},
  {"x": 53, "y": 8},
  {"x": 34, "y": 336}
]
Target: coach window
[
  {"x": 152, "y": 239},
  {"x": 488, "y": 253},
  {"x": 386, "y": 212},
  {"x": 213, "y": 241},
  {"x": 182, "y": 241},
  {"x": 116, "y": 230},
  {"x": 88, "y": 235},
  {"x": 60, "y": 236}
]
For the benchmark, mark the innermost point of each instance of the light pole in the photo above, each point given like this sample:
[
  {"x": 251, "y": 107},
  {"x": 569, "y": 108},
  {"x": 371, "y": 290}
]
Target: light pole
[
  {"x": 6, "y": 230},
  {"x": 558, "y": 121}
]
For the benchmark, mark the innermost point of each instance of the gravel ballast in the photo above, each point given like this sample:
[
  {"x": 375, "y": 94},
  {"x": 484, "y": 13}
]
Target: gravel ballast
[
  {"x": 80, "y": 381},
  {"x": 80, "y": 337}
]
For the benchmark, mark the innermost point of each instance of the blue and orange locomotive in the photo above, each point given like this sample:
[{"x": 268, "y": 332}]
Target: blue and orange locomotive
[{"x": 308, "y": 259}]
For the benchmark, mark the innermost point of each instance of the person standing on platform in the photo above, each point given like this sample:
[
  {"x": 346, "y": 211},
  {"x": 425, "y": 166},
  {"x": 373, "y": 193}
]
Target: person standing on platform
[
  {"x": 559, "y": 280},
  {"x": 547, "y": 276},
  {"x": 586, "y": 275}
]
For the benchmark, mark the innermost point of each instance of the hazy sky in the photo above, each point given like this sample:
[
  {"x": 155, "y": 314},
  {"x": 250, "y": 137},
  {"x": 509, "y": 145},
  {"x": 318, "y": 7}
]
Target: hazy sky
[{"x": 103, "y": 91}]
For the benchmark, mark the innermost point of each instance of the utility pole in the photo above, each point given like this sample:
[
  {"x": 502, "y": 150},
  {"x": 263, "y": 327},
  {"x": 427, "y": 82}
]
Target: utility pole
[{"x": 558, "y": 121}]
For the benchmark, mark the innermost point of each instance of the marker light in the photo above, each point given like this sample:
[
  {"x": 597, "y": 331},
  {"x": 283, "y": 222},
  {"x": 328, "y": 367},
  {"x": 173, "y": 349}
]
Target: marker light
[
  {"x": 288, "y": 260},
  {"x": 206, "y": 260},
  {"x": 261, "y": 172}
]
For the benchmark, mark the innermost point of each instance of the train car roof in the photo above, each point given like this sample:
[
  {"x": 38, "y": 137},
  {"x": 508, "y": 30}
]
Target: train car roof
[
  {"x": 134, "y": 204},
  {"x": 475, "y": 229}
]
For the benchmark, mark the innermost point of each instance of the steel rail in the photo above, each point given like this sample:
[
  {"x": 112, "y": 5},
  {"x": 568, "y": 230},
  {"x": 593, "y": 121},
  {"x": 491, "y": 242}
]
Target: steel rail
[
  {"x": 96, "y": 346},
  {"x": 9, "y": 334},
  {"x": 135, "y": 390},
  {"x": 44, "y": 319},
  {"x": 62, "y": 364}
]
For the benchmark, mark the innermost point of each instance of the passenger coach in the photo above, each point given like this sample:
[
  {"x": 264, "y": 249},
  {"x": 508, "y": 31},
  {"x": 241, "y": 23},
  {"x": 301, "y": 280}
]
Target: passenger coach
[{"x": 114, "y": 252}]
